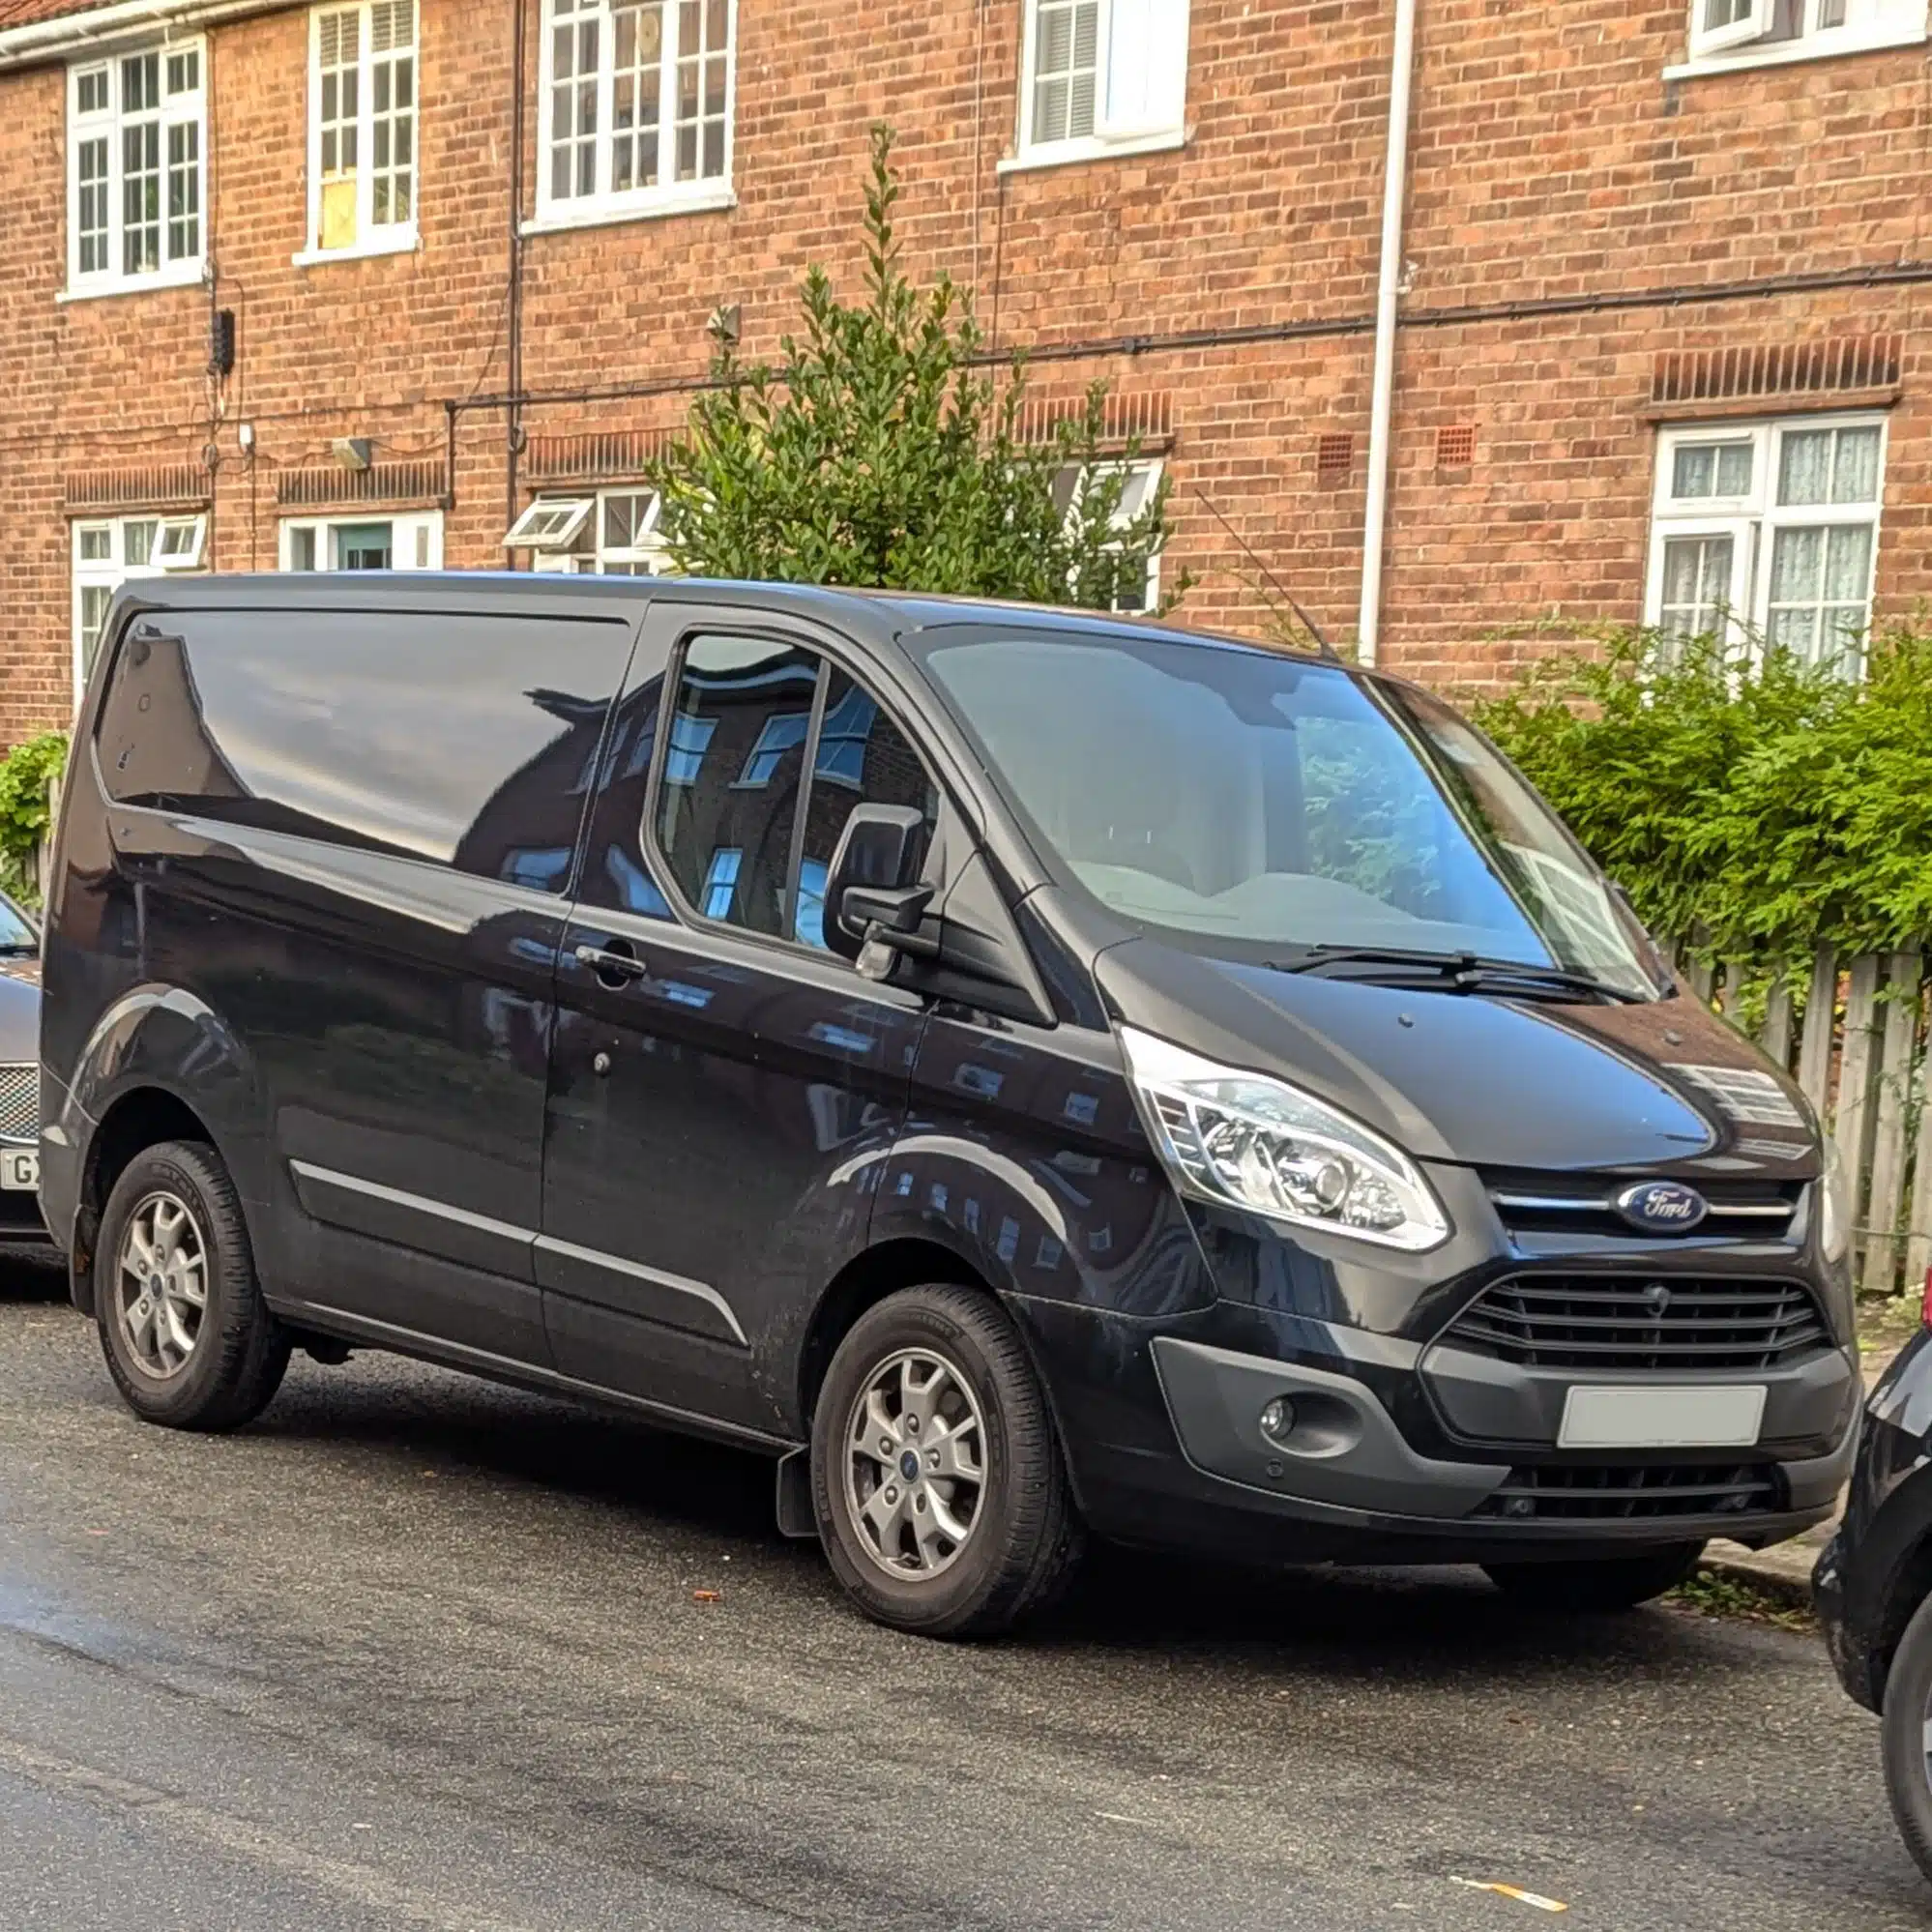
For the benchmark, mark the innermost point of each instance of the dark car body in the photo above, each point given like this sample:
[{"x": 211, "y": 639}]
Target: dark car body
[
  {"x": 370, "y": 940},
  {"x": 1877, "y": 1569}
]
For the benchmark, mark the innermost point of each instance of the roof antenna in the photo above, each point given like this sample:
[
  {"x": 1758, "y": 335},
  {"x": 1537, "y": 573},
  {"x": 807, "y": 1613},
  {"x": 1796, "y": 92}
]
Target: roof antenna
[{"x": 1308, "y": 624}]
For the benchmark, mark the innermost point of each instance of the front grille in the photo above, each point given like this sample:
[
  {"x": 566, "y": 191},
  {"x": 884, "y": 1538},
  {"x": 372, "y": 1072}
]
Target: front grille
[
  {"x": 20, "y": 1103},
  {"x": 1600, "y": 1490},
  {"x": 1530, "y": 1203},
  {"x": 1612, "y": 1322}
]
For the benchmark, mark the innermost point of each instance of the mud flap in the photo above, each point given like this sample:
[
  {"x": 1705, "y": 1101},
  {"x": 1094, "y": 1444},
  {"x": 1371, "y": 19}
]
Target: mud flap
[{"x": 796, "y": 1516}]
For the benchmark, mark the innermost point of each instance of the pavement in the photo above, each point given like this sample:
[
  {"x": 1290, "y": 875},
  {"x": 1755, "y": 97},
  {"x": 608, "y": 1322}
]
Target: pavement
[{"x": 418, "y": 1651}]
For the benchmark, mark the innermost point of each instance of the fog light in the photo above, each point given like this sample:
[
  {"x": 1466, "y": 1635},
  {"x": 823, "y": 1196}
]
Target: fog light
[{"x": 1277, "y": 1420}]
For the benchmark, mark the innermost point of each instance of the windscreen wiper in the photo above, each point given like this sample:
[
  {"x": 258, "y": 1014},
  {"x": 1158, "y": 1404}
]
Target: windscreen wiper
[{"x": 1453, "y": 972}]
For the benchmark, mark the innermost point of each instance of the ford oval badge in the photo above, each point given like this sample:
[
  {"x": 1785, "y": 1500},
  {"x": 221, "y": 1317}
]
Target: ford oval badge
[{"x": 1661, "y": 1207}]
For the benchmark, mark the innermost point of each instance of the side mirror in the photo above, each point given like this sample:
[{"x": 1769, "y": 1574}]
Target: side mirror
[{"x": 872, "y": 890}]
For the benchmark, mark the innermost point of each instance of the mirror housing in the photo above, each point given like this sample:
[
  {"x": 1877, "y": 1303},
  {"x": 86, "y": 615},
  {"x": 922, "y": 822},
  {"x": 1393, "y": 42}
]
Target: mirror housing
[{"x": 872, "y": 889}]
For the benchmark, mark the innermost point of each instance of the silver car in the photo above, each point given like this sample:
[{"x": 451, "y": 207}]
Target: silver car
[{"x": 19, "y": 1076}]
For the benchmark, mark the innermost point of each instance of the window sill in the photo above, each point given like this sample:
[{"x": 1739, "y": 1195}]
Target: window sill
[
  {"x": 1785, "y": 52},
  {"x": 403, "y": 242},
  {"x": 1063, "y": 154},
  {"x": 185, "y": 274},
  {"x": 713, "y": 198}
]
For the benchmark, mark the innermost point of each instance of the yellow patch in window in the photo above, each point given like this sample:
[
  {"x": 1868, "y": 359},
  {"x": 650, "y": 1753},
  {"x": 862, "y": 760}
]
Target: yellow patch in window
[{"x": 338, "y": 212}]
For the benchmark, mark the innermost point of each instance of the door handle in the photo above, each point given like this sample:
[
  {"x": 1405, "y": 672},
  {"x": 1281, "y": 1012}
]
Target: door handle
[{"x": 615, "y": 965}]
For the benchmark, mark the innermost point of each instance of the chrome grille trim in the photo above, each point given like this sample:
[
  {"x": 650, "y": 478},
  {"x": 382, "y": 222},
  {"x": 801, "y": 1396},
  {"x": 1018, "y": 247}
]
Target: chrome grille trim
[{"x": 21, "y": 1101}]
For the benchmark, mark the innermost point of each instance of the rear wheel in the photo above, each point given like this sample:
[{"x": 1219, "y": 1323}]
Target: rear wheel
[
  {"x": 189, "y": 1339},
  {"x": 1585, "y": 1584},
  {"x": 938, "y": 1484},
  {"x": 1908, "y": 1737}
]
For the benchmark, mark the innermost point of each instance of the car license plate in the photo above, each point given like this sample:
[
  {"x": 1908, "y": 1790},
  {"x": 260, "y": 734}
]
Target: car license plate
[
  {"x": 1728, "y": 1417},
  {"x": 20, "y": 1170}
]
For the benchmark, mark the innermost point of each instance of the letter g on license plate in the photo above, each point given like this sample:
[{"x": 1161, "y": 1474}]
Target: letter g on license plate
[{"x": 20, "y": 1170}]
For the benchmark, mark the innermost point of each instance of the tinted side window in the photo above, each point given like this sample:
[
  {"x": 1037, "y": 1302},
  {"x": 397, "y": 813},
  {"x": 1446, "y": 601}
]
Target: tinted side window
[
  {"x": 862, "y": 755},
  {"x": 468, "y": 740},
  {"x": 733, "y": 754}
]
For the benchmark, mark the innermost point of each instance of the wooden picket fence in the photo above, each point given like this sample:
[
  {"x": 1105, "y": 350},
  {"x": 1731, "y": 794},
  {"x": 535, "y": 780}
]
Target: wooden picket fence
[{"x": 1854, "y": 1032}]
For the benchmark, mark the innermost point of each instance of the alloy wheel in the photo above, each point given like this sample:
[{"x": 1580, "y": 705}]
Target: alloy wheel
[
  {"x": 915, "y": 1464},
  {"x": 161, "y": 1285}
]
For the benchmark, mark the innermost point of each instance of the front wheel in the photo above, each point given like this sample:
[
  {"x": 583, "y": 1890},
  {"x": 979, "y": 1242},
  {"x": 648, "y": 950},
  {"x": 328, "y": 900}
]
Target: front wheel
[
  {"x": 941, "y": 1494},
  {"x": 189, "y": 1339},
  {"x": 1585, "y": 1584},
  {"x": 1906, "y": 1735}
]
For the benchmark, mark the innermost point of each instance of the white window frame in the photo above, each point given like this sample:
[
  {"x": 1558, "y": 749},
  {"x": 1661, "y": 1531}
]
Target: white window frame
[
  {"x": 415, "y": 537},
  {"x": 666, "y": 195},
  {"x": 1753, "y": 520},
  {"x": 583, "y": 552},
  {"x": 372, "y": 238},
  {"x": 109, "y": 122},
  {"x": 119, "y": 565},
  {"x": 1116, "y": 129},
  {"x": 1812, "y": 30},
  {"x": 1151, "y": 468},
  {"x": 539, "y": 529}
]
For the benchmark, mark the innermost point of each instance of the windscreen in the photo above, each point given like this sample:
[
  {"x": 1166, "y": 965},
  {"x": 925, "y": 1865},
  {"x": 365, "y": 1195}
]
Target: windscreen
[
  {"x": 16, "y": 936},
  {"x": 1221, "y": 793}
]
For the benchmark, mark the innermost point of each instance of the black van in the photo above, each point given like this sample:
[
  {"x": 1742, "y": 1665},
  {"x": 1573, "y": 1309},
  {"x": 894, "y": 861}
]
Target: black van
[{"x": 1034, "y": 1073}]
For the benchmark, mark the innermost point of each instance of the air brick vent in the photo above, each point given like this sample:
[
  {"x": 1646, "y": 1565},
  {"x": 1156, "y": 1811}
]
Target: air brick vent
[
  {"x": 154, "y": 486},
  {"x": 1455, "y": 445},
  {"x": 1334, "y": 456},
  {"x": 598, "y": 455},
  {"x": 1840, "y": 364},
  {"x": 380, "y": 482}
]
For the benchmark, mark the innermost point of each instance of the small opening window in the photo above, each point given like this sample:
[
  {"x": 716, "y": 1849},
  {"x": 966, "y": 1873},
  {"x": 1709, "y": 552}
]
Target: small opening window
[
  {"x": 178, "y": 543},
  {"x": 550, "y": 523}
]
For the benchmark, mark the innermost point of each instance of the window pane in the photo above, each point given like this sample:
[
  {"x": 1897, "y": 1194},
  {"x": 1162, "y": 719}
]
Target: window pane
[
  {"x": 97, "y": 542},
  {"x": 1696, "y": 585},
  {"x": 363, "y": 546},
  {"x": 1710, "y": 469},
  {"x": 302, "y": 550},
  {"x": 1855, "y": 475},
  {"x": 1820, "y": 591},
  {"x": 1805, "y": 466},
  {"x": 95, "y": 599},
  {"x": 732, "y": 695},
  {"x": 424, "y": 735},
  {"x": 1066, "y": 41},
  {"x": 137, "y": 540},
  {"x": 862, "y": 755}
]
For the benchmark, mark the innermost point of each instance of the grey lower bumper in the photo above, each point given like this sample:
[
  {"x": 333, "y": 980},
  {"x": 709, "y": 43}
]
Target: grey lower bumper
[
  {"x": 1345, "y": 1454},
  {"x": 1344, "y": 1449}
]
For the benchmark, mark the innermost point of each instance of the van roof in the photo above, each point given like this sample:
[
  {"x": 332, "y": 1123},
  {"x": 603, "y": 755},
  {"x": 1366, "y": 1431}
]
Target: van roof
[{"x": 880, "y": 614}]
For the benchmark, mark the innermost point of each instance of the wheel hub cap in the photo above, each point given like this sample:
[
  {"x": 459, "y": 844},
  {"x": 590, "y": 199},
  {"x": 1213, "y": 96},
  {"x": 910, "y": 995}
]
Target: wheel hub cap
[
  {"x": 915, "y": 1464},
  {"x": 161, "y": 1285}
]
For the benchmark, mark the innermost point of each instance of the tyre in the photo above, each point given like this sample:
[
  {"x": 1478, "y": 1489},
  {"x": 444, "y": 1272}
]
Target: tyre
[
  {"x": 189, "y": 1339},
  {"x": 941, "y": 1494},
  {"x": 1906, "y": 1733},
  {"x": 1585, "y": 1584}
]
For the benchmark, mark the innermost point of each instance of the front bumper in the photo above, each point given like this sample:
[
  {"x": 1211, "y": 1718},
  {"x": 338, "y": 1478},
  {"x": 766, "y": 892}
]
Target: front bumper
[{"x": 1372, "y": 1471}]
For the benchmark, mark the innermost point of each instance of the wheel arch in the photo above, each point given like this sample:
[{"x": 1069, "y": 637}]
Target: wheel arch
[
  {"x": 904, "y": 1261},
  {"x": 140, "y": 1118}
]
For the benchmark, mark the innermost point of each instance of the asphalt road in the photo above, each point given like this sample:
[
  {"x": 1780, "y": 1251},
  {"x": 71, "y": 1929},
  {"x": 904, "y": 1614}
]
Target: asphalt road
[{"x": 415, "y": 1651}]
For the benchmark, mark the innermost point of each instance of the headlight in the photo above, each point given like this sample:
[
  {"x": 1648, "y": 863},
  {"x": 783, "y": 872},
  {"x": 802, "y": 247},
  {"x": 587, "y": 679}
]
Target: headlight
[
  {"x": 1834, "y": 1206},
  {"x": 1246, "y": 1140}
]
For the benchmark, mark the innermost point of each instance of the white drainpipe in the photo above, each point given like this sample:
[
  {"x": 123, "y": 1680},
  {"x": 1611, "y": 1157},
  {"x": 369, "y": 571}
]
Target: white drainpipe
[{"x": 1387, "y": 291}]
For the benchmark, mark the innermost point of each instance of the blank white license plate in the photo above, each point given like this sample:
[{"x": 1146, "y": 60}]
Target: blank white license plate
[
  {"x": 1724, "y": 1418},
  {"x": 19, "y": 1171}
]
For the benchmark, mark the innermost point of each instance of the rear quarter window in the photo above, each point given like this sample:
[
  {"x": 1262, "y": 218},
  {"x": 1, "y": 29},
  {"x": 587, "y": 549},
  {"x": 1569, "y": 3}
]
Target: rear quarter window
[{"x": 462, "y": 739}]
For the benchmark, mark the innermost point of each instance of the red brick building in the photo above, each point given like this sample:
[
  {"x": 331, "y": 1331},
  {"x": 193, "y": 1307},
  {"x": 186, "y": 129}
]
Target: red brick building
[{"x": 1662, "y": 340}]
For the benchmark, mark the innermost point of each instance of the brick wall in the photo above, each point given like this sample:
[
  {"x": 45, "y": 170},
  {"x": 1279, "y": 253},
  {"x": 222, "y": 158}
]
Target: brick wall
[{"x": 1572, "y": 216}]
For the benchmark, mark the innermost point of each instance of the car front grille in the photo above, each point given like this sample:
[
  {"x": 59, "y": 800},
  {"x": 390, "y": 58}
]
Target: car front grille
[
  {"x": 1600, "y": 1490},
  {"x": 1634, "y": 1322},
  {"x": 1529, "y": 1203},
  {"x": 20, "y": 1103}
]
